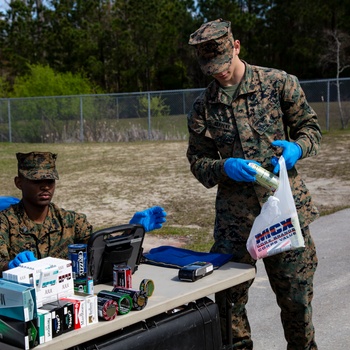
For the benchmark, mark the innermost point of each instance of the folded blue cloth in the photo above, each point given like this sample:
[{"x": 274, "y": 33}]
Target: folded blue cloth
[
  {"x": 6, "y": 201},
  {"x": 174, "y": 257}
]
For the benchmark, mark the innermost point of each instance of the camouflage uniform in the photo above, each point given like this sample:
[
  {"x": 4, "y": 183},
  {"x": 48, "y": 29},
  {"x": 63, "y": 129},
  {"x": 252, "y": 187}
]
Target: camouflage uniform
[
  {"x": 51, "y": 238},
  {"x": 268, "y": 105}
]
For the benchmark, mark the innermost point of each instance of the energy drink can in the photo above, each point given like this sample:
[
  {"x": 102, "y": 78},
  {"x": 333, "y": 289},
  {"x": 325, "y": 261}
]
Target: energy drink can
[
  {"x": 122, "y": 276},
  {"x": 124, "y": 300},
  {"x": 77, "y": 253},
  {"x": 107, "y": 308},
  {"x": 265, "y": 178},
  {"x": 138, "y": 297}
]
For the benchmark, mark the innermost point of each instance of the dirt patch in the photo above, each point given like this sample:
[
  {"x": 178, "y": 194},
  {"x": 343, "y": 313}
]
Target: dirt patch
[{"x": 110, "y": 182}]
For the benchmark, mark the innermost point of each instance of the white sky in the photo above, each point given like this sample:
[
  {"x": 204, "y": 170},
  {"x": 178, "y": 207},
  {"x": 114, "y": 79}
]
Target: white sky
[{"x": 3, "y": 4}]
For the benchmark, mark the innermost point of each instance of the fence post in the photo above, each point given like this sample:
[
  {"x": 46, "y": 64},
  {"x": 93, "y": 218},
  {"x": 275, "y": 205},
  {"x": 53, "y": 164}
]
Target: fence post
[
  {"x": 9, "y": 118},
  {"x": 328, "y": 105},
  {"x": 81, "y": 120},
  {"x": 149, "y": 115},
  {"x": 184, "y": 102}
]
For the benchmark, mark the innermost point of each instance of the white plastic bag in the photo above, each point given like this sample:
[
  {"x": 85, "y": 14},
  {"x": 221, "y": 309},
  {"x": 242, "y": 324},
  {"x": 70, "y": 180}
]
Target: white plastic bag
[{"x": 276, "y": 229}]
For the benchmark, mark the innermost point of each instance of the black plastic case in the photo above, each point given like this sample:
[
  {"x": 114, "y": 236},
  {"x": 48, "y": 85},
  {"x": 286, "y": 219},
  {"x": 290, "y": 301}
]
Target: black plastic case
[
  {"x": 195, "y": 326},
  {"x": 195, "y": 271}
]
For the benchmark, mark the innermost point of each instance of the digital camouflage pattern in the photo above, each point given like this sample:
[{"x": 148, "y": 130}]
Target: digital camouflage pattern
[
  {"x": 60, "y": 228},
  {"x": 37, "y": 165},
  {"x": 214, "y": 44},
  {"x": 269, "y": 105}
]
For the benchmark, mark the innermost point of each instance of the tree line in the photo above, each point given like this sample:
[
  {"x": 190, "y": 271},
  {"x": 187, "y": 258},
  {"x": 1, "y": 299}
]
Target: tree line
[{"x": 142, "y": 45}]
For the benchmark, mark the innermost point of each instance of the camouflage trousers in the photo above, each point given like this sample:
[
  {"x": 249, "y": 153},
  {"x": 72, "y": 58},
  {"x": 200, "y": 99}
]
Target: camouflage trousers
[{"x": 291, "y": 278}]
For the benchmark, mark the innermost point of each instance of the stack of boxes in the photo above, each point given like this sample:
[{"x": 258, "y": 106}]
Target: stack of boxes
[{"x": 38, "y": 302}]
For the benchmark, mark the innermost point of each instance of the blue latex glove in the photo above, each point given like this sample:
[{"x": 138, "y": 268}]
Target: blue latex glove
[
  {"x": 6, "y": 201},
  {"x": 239, "y": 170},
  {"x": 150, "y": 219},
  {"x": 20, "y": 258},
  {"x": 291, "y": 154}
]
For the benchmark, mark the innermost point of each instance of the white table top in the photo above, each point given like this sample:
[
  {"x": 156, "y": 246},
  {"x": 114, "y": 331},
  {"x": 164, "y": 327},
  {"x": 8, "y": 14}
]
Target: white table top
[{"x": 168, "y": 294}]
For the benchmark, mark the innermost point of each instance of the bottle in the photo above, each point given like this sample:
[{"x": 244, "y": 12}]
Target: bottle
[{"x": 265, "y": 178}]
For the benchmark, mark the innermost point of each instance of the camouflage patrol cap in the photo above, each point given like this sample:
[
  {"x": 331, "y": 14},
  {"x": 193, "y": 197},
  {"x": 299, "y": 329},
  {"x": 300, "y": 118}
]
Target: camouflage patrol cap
[
  {"x": 37, "y": 165},
  {"x": 214, "y": 43}
]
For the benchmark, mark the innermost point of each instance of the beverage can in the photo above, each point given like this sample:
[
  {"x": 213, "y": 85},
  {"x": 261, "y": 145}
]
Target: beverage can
[{"x": 265, "y": 178}]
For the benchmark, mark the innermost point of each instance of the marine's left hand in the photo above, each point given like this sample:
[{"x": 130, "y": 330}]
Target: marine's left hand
[
  {"x": 150, "y": 219},
  {"x": 291, "y": 153}
]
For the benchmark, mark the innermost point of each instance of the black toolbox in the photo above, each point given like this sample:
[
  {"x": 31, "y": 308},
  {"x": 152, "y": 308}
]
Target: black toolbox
[{"x": 195, "y": 326}]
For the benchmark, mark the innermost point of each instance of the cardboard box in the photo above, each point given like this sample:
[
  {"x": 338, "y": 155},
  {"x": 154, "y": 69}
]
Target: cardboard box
[
  {"x": 56, "y": 318},
  {"x": 41, "y": 327},
  {"x": 17, "y": 301},
  {"x": 65, "y": 282},
  {"x": 79, "y": 311},
  {"x": 18, "y": 275},
  {"x": 46, "y": 285},
  {"x": 91, "y": 307},
  {"x": 39, "y": 274},
  {"x": 68, "y": 314},
  {"x": 47, "y": 324},
  {"x": 19, "y": 333}
]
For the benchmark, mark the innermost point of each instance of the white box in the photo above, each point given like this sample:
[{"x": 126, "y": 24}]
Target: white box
[
  {"x": 65, "y": 282},
  {"x": 45, "y": 275},
  {"x": 91, "y": 307}
]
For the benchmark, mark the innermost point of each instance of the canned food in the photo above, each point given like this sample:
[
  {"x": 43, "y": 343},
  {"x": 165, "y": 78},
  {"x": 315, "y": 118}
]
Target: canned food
[
  {"x": 77, "y": 253},
  {"x": 265, "y": 178},
  {"x": 122, "y": 276}
]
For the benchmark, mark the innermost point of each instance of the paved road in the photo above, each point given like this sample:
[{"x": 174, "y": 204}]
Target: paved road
[{"x": 331, "y": 304}]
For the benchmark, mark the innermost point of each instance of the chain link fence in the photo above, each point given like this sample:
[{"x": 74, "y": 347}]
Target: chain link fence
[{"x": 158, "y": 115}]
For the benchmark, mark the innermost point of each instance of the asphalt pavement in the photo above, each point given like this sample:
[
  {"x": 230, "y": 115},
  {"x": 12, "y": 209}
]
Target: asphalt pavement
[{"x": 331, "y": 304}]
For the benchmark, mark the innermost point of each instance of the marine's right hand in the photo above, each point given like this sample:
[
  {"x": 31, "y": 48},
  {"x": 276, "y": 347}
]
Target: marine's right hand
[
  {"x": 20, "y": 258},
  {"x": 239, "y": 170}
]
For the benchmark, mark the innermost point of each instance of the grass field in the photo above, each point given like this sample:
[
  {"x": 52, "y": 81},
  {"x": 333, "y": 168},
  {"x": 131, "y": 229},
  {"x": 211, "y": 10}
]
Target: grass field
[{"x": 110, "y": 181}]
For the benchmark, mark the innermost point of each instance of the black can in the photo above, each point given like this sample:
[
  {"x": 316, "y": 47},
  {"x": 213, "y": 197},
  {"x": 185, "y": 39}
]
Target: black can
[
  {"x": 139, "y": 298},
  {"x": 124, "y": 300}
]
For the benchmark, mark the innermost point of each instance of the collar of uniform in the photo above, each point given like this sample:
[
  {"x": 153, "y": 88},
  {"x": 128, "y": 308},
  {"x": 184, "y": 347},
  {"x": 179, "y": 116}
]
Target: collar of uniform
[
  {"x": 247, "y": 85},
  {"x": 217, "y": 95},
  {"x": 27, "y": 225}
]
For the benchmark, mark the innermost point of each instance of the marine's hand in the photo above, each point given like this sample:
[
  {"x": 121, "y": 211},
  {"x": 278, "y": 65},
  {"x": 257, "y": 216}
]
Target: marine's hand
[
  {"x": 20, "y": 258},
  {"x": 150, "y": 219},
  {"x": 291, "y": 153},
  {"x": 239, "y": 170}
]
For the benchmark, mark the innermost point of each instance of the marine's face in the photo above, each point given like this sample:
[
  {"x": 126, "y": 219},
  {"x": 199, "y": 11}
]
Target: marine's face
[
  {"x": 36, "y": 192},
  {"x": 225, "y": 78}
]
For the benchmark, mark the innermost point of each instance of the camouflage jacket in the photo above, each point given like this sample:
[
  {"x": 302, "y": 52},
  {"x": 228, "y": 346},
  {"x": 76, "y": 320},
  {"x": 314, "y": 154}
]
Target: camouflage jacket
[
  {"x": 61, "y": 228},
  {"x": 269, "y": 105}
]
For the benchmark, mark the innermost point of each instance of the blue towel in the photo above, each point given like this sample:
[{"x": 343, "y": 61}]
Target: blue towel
[
  {"x": 6, "y": 201},
  {"x": 174, "y": 257}
]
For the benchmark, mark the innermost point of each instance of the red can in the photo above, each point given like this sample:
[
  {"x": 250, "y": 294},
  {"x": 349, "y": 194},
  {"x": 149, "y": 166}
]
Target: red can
[{"x": 122, "y": 276}]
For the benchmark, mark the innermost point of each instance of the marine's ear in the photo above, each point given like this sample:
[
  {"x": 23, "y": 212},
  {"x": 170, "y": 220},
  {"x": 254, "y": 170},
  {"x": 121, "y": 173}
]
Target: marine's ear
[{"x": 18, "y": 182}]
